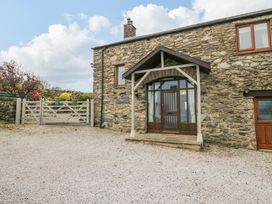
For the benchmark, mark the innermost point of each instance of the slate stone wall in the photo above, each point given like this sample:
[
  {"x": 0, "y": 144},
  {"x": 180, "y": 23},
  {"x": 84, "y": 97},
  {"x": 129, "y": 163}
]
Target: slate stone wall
[
  {"x": 7, "y": 109},
  {"x": 227, "y": 116}
]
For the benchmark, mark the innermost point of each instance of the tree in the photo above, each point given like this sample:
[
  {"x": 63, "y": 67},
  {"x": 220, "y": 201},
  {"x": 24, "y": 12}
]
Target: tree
[{"x": 17, "y": 82}]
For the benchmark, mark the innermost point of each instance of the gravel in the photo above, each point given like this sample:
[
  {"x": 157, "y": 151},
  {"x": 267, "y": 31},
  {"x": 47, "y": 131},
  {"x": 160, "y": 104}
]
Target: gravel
[{"x": 54, "y": 164}]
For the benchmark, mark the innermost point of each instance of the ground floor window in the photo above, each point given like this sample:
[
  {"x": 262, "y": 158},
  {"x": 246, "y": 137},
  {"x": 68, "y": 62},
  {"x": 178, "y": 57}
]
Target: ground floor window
[{"x": 171, "y": 105}]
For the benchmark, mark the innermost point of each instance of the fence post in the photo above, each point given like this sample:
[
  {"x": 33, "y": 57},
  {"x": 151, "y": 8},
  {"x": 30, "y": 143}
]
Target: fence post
[
  {"x": 41, "y": 112},
  {"x": 23, "y": 111},
  {"x": 88, "y": 111},
  {"x": 92, "y": 113},
  {"x": 18, "y": 111}
]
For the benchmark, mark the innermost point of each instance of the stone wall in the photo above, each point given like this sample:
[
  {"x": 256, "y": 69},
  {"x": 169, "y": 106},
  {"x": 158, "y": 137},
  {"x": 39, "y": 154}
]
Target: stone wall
[
  {"x": 227, "y": 116},
  {"x": 7, "y": 109}
]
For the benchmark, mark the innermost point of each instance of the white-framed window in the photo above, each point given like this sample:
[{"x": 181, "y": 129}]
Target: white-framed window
[{"x": 119, "y": 80}]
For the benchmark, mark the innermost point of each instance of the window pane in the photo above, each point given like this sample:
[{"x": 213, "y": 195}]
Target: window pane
[
  {"x": 157, "y": 106},
  {"x": 265, "y": 110},
  {"x": 183, "y": 106},
  {"x": 150, "y": 87},
  {"x": 190, "y": 85},
  {"x": 261, "y": 35},
  {"x": 182, "y": 84},
  {"x": 191, "y": 106},
  {"x": 150, "y": 107},
  {"x": 121, "y": 71},
  {"x": 245, "y": 38},
  {"x": 170, "y": 85},
  {"x": 157, "y": 85}
]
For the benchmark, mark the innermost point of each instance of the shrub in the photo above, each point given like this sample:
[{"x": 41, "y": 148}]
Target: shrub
[{"x": 65, "y": 96}]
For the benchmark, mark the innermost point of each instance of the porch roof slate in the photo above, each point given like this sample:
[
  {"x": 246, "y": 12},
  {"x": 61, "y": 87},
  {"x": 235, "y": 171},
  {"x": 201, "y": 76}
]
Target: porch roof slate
[{"x": 153, "y": 57}]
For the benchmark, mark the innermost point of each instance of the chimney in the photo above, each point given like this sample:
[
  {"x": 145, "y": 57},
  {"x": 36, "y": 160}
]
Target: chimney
[{"x": 129, "y": 29}]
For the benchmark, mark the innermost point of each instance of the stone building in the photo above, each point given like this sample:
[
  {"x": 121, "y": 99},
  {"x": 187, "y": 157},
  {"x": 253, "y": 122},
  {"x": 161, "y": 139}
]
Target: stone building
[
  {"x": 1, "y": 70},
  {"x": 211, "y": 82}
]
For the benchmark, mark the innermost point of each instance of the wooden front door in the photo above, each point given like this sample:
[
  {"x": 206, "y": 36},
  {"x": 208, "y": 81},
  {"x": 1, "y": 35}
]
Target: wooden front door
[
  {"x": 171, "y": 106},
  {"x": 263, "y": 121},
  {"x": 170, "y": 111}
]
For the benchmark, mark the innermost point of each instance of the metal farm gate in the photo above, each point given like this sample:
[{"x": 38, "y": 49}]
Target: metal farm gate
[{"x": 58, "y": 112}]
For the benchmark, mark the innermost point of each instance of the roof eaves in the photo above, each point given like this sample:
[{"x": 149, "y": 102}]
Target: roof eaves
[{"x": 190, "y": 27}]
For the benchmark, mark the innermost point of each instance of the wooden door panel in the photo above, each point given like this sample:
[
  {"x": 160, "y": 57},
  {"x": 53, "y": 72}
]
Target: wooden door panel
[
  {"x": 263, "y": 122},
  {"x": 268, "y": 134},
  {"x": 264, "y": 136}
]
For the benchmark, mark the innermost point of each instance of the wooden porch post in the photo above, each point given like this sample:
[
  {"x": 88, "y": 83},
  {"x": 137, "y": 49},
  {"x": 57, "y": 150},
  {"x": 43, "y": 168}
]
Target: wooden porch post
[
  {"x": 132, "y": 134},
  {"x": 199, "y": 133},
  {"x": 162, "y": 59}
]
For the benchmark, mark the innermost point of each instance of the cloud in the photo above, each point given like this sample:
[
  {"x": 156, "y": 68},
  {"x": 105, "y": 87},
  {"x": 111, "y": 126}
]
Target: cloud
[
  {"x": 73, "y": 17},
  {"x": 184, "y": 16},
  {"x": 82, "y": 16},
  {"x": 62, "y": 56},
  {"x": 97, "y": 23},
  {"x": 69, "y": 17},
  {"x": 154, "y": 18},
  {"x": 212, "y": 9},
  {"x": 150, "y": 18}
]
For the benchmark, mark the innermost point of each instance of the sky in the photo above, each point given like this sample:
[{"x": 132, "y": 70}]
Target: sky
[{"x": 53, "y": 39}]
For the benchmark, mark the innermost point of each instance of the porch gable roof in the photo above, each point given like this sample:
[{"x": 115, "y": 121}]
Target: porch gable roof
[{"x": 152, "y": 59}]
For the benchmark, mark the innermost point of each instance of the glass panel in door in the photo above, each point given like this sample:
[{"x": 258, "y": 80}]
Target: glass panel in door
[
  {"x": 183, "y": 106},
  {"x": 170, "y": 110},
  {"x": 265, "y": 110}
]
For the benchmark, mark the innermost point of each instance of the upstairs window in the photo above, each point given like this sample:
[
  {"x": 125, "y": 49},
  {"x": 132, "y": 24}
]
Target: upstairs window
[
  {"x": 254, "y": 37},
  {"x": 120, "y": 70}
]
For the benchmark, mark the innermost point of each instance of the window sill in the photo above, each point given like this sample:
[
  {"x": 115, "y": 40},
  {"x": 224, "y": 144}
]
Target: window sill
[
  {"x": 120, "y": 86},
  {"x": 254, "y": 51}
]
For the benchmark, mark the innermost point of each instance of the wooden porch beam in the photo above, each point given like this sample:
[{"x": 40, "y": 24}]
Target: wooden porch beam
[
  {"x": 141, "y": 80},
  {"x": 188, "y": 76},
  {"x": 164, "y": 68}
]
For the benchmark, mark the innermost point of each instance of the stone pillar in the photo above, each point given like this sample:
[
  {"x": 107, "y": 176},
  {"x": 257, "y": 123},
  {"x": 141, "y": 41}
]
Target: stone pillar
[{"x": 129, "y": 29}]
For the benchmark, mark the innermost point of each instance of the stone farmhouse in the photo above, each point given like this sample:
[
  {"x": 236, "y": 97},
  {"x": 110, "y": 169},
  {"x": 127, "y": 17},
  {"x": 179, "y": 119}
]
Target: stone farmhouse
[{"x": 208, "y": 82}]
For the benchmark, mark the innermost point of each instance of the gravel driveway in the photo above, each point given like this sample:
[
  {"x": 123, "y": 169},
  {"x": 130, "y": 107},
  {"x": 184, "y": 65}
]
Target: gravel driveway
[{"x": 53, "y": 164}]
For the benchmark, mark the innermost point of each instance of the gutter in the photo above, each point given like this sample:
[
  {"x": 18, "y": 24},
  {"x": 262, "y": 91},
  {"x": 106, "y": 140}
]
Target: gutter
[{"x": 102, "y": 89}]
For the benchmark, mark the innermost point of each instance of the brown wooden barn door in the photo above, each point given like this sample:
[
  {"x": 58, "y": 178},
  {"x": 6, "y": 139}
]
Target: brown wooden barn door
[
  {"x": 170, "y": 110},
  {"x": 263, "y": 120}
]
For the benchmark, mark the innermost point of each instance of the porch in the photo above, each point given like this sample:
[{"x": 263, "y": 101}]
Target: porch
[{"x": 173, "y": 97}]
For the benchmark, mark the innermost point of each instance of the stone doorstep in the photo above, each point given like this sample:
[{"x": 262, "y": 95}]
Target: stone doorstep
[
  {"x": 265, "y": 150},
  {"x": 176, "y": 141}
]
